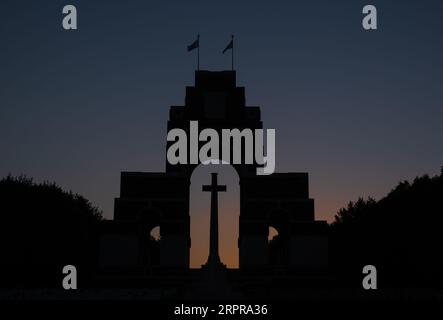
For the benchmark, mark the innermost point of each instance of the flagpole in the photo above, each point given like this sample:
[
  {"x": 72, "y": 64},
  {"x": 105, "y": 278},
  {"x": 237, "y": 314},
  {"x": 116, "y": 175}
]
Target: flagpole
[
  {"x": 232, "y": 53},
  {"x": 198, "y": 52}
]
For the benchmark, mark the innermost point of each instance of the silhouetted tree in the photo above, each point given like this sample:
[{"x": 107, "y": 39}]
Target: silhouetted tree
[
  {"x": 401, "y": 235},
  {"x": 43, "y": 228}
]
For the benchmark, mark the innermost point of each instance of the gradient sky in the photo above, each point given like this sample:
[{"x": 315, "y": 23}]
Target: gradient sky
[{"x": 358, "y": 110}]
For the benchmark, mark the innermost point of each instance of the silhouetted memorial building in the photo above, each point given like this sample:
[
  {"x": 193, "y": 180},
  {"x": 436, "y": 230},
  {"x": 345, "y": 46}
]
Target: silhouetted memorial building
[{"x": 151, "y": 199}]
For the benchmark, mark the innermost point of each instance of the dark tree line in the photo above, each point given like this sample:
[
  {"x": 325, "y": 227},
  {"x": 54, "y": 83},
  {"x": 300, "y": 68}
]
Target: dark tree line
[
  {"x": 401, "y": 234},
  {"x": 42, "y": 229}
]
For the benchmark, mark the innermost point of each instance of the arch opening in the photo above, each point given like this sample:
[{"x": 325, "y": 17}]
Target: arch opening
[
  {"x": 151, "y": 254},
  {"x": 276, "y": 248},
  {"x": 228, "y": 214},
  {"x": 272, "y": 233},
  {"x": 154, "y": 234}
]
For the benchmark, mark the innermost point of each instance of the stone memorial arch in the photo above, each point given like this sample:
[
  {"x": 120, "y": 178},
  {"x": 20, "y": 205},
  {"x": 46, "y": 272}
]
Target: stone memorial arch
[{"x": 280, "y": 200}]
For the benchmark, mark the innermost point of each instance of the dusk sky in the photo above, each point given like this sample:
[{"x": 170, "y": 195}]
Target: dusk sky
[{"x": 359, "y": 110}]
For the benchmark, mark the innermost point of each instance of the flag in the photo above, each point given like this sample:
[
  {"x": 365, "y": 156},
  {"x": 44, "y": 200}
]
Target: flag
[
  {"x": 229, "y": 46},
  {"x": 194, "y": 45}
]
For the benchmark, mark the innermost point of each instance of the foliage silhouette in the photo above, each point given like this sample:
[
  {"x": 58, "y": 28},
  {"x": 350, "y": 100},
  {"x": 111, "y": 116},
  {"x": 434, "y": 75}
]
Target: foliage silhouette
[
  {"x": 400, "y": 234},
  {"x": 44, "y": 228}
]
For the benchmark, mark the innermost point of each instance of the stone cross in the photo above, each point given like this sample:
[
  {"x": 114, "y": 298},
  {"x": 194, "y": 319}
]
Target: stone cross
[{"x": 214, "y": 188}]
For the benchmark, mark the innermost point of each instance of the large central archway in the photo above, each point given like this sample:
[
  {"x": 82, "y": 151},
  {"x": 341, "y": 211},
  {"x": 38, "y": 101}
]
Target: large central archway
[{"x": 228, "y": 215}]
